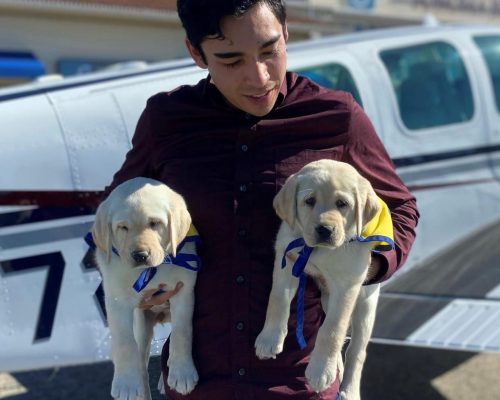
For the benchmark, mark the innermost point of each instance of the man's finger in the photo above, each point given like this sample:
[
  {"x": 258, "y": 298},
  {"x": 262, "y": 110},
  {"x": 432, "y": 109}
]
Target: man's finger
[
  {"x": 151, "y": 299},
  {"x": 165, "y": 295}
]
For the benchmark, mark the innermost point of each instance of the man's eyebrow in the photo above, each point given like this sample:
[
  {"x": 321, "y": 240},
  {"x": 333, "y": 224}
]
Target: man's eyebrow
[{"x": 234, "y": 54}]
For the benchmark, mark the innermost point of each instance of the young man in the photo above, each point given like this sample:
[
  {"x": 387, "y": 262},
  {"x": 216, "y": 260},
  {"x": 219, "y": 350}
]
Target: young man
[{"x": 227, "y": 145}]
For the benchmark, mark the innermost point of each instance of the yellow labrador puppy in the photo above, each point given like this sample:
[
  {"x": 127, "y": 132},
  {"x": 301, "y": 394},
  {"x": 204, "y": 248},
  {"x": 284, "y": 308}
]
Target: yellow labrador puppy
[
  {"x": 325, "y": 208},
  {"x": 136, "y": 228}
]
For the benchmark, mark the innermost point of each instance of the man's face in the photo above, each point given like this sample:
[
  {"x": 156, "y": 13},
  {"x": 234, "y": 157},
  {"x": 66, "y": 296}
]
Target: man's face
[{"x": 249, "y": 64}]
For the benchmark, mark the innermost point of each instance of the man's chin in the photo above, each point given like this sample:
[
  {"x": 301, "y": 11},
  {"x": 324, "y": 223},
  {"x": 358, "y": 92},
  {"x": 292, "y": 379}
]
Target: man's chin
[{"x": 258, "y": 111}]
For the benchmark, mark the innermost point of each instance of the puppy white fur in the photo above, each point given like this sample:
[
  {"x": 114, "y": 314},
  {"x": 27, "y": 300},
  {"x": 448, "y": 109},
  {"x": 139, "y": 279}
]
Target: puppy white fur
[
  {"x": 326, "y": 203},
  {"x": 144, "y": 220}
]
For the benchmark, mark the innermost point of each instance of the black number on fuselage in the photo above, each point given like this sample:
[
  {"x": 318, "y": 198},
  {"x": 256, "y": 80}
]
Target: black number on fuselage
[{"x": 55, "y": 263}]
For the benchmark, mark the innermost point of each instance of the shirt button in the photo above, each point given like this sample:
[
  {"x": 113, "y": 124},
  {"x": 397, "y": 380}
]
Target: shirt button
[
  {"x": 242, "y": 372},
  {"x": 244, "y": 147},
  {"x": 243, "y": 188},
  {"x": 240, "y": 279},
  {"x": 240, "y": 326}
]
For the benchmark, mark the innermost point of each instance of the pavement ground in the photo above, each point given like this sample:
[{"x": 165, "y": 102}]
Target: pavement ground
[{"x": 391, "y": 373}]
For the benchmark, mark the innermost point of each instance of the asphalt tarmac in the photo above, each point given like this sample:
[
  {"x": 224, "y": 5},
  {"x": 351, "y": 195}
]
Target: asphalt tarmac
[{"x": 391, "y": 373}]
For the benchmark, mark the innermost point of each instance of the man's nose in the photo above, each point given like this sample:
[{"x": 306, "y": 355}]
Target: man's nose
[{"x": 257, "y": 74}]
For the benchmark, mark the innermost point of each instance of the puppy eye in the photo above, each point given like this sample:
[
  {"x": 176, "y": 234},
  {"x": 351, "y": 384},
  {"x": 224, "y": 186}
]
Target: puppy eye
[
  {"x": 341, "y": 204},
  {"x": 310, "y": 201},
  {"x": 154, "y": 224},
  {"x": 123, "y": 228}
]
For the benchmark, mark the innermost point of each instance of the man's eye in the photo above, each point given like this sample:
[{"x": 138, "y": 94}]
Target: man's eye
[
  {"x": 233, "y": 64},
  {"x": 311, "y": 201},
  {"x": 341, "y": 204},
  {"x": 269, "y": 53}
]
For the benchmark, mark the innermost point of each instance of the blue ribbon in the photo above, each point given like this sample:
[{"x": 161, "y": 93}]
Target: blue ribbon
[
  {"x": 298, "y": 271},
  {"x": 144, "y": 278},
  {"x": 377, "y": 238},
  {"x": 181, "y": 259}
]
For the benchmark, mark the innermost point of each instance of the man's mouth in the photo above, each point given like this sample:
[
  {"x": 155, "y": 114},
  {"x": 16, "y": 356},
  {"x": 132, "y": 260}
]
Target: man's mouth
[{"x": 260, "y": 95}]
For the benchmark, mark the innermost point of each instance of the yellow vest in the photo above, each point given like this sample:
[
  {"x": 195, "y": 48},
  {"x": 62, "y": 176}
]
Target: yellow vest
[{"x": 379, "y": 229}]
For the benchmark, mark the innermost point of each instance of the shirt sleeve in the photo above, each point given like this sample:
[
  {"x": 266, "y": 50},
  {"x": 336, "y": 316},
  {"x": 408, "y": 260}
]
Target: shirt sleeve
[
  {"x": 138, "y": 159},
  {"x": 368, "y": 155}
]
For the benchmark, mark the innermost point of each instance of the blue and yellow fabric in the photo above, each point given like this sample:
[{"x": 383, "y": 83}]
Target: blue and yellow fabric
[
  {"x": 185, "y": 260},
  {"x": 379, "y": 229}
]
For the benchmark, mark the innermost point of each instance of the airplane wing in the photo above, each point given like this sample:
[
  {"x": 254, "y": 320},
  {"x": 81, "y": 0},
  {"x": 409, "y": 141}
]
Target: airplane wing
[{"x": 451, "y": 301}]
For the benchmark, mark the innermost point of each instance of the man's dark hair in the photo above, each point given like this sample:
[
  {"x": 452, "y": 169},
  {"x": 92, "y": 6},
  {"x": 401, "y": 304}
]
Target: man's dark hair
[{"x": 201, "y": 18}]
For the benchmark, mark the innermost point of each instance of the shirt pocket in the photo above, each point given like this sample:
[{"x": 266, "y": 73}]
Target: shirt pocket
[{"x": 288, "y": 161}]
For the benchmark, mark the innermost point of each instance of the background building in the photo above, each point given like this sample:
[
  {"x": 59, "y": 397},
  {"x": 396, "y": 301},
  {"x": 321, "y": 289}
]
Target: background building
[{"x": 70, "y": 37}]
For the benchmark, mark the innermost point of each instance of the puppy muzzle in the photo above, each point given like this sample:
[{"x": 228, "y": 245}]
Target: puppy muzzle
[
  {"x": 324, "y": 233},
  {"x": 141, "y": 257},
  {"x": 326, "y": 236}
]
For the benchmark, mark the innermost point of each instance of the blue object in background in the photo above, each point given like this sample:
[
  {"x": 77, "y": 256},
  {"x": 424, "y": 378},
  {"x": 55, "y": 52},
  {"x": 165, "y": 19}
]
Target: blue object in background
[
  {"x": 20, "y": 65},
  {"x": 362, "y": 4}
]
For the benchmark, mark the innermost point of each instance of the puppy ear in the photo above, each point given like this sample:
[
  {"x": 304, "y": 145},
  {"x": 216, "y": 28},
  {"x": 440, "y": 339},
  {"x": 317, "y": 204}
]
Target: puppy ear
[
  {"x": 285, "y": 202},
  {"x": 179, "y": 221},
  {"x": 367, "y": 205},
  {"x": 101, "y": 230}
]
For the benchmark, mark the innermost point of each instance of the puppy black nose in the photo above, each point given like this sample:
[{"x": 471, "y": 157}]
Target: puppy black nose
[
  {"x": 324, "y": 231},
  {"x": 140, "y": 256}
]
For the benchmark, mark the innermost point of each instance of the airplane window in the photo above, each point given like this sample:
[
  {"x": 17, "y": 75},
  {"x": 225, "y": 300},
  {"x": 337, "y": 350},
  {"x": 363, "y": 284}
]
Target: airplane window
[
  {"x": 431, "y": 85},
  {"x": 333, "y": 76},
  {"x": 490, "y": 48}
]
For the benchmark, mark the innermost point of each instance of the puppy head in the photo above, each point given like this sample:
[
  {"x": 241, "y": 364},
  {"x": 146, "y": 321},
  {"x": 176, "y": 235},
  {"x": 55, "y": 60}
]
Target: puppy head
[
  {"x": 144, "y": 220},
  {"x": 331, "y": 203}
]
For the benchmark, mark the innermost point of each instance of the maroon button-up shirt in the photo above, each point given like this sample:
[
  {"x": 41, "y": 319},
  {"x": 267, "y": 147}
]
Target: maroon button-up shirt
[{"x": 229, "y": 165}]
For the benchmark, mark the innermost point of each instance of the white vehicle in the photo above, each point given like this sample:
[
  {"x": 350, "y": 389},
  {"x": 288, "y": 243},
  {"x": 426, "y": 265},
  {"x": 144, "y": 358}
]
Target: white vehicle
[{"x": 433, "y": 94}]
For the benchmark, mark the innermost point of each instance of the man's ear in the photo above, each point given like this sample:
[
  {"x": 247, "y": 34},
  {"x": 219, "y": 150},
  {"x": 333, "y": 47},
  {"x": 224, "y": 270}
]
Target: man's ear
[
  {"x": 285, "y": 32},
  {"x": 196, "y": 55}
]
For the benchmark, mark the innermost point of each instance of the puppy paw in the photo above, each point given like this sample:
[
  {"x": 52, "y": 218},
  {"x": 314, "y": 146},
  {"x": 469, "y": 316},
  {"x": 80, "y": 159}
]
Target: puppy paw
[
  {"x": 320, "y": 374},
  {"x": 347, "y": 395},
  {"x": 340, "y": 368},
  {"x": 182, "y": 376},
  {"x": 130, "y": 386},
  {"x": 268, "y": 345}
]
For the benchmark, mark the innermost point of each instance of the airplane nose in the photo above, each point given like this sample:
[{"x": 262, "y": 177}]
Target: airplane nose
[
  {"x": 140, "y": 256},
  {"x": 324, "y": 232}
]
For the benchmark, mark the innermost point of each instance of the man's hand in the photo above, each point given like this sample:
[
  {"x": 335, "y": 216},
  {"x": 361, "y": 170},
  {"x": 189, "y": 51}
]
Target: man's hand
[{"x": 158, "y": 296}]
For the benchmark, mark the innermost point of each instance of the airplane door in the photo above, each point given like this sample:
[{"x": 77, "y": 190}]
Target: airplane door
[
  {"x": 488, "y": 60},
  {"x": 434, "y": 129}
]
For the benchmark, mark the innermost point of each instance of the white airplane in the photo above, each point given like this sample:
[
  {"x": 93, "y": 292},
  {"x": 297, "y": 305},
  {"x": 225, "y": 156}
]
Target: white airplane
[{"x": 433, "y": 94}]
